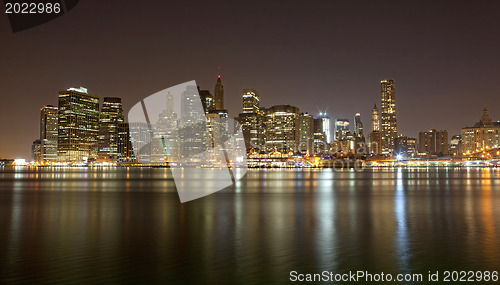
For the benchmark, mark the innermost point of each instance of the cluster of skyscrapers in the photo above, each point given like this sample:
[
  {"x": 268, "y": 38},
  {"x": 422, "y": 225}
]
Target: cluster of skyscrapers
[{"x": 77, "y": 131}]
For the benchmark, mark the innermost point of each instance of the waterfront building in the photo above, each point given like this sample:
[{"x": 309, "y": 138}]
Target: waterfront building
[
  {"x": 320, "y": 146},
  {"x": 306, "y": 133},
  {"x": 281, "y": 127},
  {"x": 111, "y": 116},
  {"x": 125, "y": 150},
  {"x": 388, "y": 111},
  {"x": 433, "y": 142},
  {"x": 405, "y": 146},
  {"x": 326, "y": 126},
  {"x": 35, "y": 151},
  {"x": 78, "y": 125}
]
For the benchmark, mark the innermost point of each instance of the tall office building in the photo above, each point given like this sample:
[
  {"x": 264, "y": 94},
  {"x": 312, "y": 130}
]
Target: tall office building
[
  {"x": 281, "y": 125},
  {"x": 251, "y": 120},
  {"x": 326, "y": 125},
  {"x": 358, "y": 125},
  {"x": 484, "y": 134},
  {"x": 341, "y": 129},
  {"x": 124, "y": 143},
  {"x": 165, "y": 145},
  {"x": 35, "y": 151},
  {"x": 250, "y": 101},
  {"x": 320, "y": 147},
  {"x": 48, "y": 134},
  {"x": 111, "y": 117},
  {"x": 306, "y": 133},
  {"x": 207, "y": 100},
  {"x": 78, "y": 125},
  {"x": 456, "y": 145},
  {"x": 375, "y": 119},
  {"x": 405, "y": 146},
  {"x": 388, "y": 110},
  {"x": 219, "y": 94}
]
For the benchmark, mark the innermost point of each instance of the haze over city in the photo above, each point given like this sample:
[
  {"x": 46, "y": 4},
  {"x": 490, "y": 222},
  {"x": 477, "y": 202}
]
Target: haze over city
[{"x": 323, "y": 55}]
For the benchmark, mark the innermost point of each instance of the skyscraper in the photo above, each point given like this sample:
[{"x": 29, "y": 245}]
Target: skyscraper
[
  {"x": 389, "y": 123},
  {"x": 207, "y": 100},
  {"x": 111, "y": 117},
  {"x": 326, "y": 126},
  {"x": 306, "y": 133},
  {"x": 250, "y": 101},
  {"x": 78, "y": 125},
  {"x": 358, "y": 125},
  {"x": 35, "y": 151},
  {"x": 219, "y": 94},
  {"x": 341, "y": 128},
  {"x": 433, "y": 142},
  {"x": 281, "y": 125},
  {"x": 251, "y": 119},
  {"x": 375, "y": 119},
  {"x": 320, "y": 146},
  {"x": 124, "y": 143},
  {"x": 48, "y": 134},
  {"x": 482, "y": 135}
]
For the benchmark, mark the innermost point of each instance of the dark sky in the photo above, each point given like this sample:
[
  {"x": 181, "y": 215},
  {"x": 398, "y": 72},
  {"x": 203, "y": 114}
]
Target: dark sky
[{"x": 444, "y": 56}]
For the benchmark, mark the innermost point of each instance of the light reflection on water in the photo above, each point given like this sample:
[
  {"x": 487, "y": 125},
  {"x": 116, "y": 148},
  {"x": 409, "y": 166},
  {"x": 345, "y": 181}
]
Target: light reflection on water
[{"x": 127, "y": 225}]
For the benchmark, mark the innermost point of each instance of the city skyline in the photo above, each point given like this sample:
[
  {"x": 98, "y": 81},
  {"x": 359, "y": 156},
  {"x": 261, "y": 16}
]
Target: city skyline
[
  {"x": 433, "y": 56},
  {"x": 76, "y": 131}
]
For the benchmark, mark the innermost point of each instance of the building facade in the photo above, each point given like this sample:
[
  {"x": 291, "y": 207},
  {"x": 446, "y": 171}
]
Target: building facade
[
  {"x": 389, "y": 127},
  {"x": 485, "y": 134},
  {"x": 281, "y": 126},
  {"x": 341, "y": 129},
  {"x": 48, "y": 134},
  {"x": 110, "y": 118},
  {"x": 326, "y": 126},
  {"x": 78, "y": 125},
  {"x": 306, "y": 133}
]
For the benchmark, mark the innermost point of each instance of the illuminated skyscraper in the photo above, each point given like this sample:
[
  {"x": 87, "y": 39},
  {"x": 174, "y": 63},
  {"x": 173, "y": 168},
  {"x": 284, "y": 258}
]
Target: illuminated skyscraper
[
  {"x": 358, "y": 125},
  {"x": 375, "y": 119},
  {"x": 219, "y": 94},
  {"x": 251, "y": 120},
  {"x": 78, "y": 125},
  {"x": 35, "y": 151},
  {"x": 48, "y": 134},
  {"x": 281, "y": 125},
  {"x": 320, "y": 146},
  {"x": 250, "y": 101},
  {"x": 306, "y": 133},
  {"x": 341, "y": 128},
  {"x": 207, "y": 100},
  {"x": 111, "y": 117},
  {"x": 326, "y": 126},
  {"x": 389, "y": 123}
]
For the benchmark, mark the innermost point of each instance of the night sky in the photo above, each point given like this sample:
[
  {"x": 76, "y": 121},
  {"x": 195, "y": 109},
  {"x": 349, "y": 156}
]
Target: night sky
[{"x": 315, "y": 55}]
